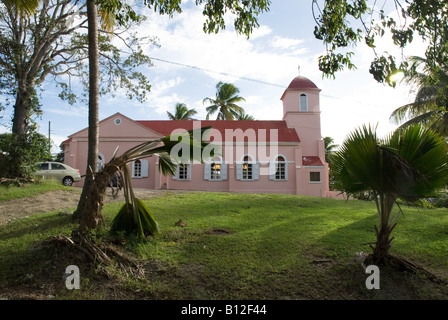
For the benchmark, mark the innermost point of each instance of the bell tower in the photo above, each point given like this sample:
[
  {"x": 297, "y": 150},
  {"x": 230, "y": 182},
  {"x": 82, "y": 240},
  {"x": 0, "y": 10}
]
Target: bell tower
[{"x": 301, "y": 111}]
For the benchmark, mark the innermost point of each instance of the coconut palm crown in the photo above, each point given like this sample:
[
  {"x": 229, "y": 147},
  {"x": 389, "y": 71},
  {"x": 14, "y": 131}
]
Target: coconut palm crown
[
  {"x": 225, "y": 102},
  {"x": 430, "y": 106},
  {"x": 182, "y": 113}
]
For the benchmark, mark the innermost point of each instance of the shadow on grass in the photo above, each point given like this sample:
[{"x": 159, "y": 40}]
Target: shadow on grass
[{"x": 42, "y": 224}]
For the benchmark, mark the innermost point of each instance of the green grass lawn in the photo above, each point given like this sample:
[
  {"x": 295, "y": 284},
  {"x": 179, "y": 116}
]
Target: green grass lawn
[
  {"x": 29, "y": 190},
  {"x": 236, "y": 246}
]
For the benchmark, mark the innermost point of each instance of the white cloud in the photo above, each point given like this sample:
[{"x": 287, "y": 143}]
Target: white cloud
[{"x": 285, "y": 43}]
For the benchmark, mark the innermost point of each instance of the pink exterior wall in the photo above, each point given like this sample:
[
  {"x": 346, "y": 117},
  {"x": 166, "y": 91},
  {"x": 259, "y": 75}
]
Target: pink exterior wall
[{"x": 129, "y": 133}]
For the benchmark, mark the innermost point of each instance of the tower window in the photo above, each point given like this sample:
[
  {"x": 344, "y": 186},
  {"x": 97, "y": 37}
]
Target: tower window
[
  {"x": 303, "y": 102},
  {"x": 315, "y": 177}
]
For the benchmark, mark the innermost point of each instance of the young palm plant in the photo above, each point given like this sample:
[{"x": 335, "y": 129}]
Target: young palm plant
[
  {"x": 410, "y": 164},
  {"x": 134, "y": 216}
]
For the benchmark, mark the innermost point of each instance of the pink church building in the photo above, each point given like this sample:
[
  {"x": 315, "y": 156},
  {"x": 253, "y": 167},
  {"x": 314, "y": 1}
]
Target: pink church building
[{"x": 276, "y": 156}]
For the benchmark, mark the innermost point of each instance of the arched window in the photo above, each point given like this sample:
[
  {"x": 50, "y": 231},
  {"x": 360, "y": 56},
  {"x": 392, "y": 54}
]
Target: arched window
[
  {"x": 137, "y": 170},
  {"x": 247, "y": 168},
  {"x": 303, "y": 102},
  {"x": 101, "y": 161},
  {"x": 279, "y": 168},
  {"x": 216, "y": 170}
]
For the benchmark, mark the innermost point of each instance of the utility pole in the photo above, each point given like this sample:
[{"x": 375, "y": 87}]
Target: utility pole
[{"x": 49, "y": 138}]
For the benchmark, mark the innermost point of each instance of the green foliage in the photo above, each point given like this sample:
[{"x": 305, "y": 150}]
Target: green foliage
[
  {"x": 19, "y": 154},
  {"x": 139, "y": 221},
  {"x": 182, "y": 112},
  {"x": 408, "y": 165},
  {"x": 245, "y": 12},
  {"x": 341, "y": 24},
  {"x": 225, "y": 102},
  {"x": 430, "y": 106}
]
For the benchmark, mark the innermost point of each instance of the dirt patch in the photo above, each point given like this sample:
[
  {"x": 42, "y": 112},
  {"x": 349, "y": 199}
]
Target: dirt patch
[
  {"x": 58, "y": 200},
  {"x": 218, "y": 231}
]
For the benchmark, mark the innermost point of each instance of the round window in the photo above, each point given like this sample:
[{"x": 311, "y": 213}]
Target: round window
[{"x": 117, "y": 121}]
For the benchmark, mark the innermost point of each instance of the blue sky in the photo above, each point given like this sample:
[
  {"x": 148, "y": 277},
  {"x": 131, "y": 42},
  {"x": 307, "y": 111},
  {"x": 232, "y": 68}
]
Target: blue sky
[{"x": 283, "y": 42}]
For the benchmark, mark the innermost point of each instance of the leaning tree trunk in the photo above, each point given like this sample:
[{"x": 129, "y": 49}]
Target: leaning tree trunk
[
  {"x": 89, "y": 211},
  {"x": 91, "y": 204}
]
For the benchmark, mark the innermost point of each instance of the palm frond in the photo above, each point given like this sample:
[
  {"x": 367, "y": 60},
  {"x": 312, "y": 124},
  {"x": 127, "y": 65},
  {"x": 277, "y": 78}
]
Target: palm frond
[{"x": 22, "y": 7}]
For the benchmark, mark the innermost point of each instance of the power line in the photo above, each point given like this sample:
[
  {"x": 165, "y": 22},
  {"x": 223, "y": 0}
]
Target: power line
[
  {"x": 231, "y": 75},
  {"x": 221, "y": 73}
]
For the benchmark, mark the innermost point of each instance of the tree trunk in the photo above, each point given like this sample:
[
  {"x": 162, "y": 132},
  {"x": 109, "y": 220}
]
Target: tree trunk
[
  {"x": 90, "y": 202},
  {"x": 21, "y": 114},
  {"x": 385, "y": 204}
]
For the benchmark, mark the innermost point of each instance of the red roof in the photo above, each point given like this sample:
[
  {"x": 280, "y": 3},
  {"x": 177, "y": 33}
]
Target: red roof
[
  {"x": 284, "y": 134},
  {"x": 302, "y": 83},
  {"x": 312, "y": 161}
]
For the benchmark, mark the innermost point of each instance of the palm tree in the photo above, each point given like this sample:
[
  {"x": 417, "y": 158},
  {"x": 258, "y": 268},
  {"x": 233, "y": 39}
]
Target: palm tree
[
  {"x": 329, "y": 148},
  {"x": 410, "y": 164},
  {"x": 244, "y": 116},
  {"x": 430, "y": 107},
  {"x": 225, "y": 102},
  {"x": 182, "y": 113},
  {"x": 22, "y": 6},
  {"x": 88, "y": 210}
]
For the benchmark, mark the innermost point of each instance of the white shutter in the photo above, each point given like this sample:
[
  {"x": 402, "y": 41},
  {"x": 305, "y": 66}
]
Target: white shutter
[
  {"x": 255, "y": 171},
  {"x": 286, "y": 170},
  {"x": 207, "y": 169},
  {"x": 239, "y": 171},
  {"x": 271, "y": 170},
  {"x": 189, "y": 171},
  {"x": 176, "y": 174},
  {"x": 223, "y": 171},
  {"x": 144, "y": 166},
  {"x": 132, "y": 169}
]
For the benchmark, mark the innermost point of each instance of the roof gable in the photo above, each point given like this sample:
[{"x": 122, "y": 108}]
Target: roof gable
[{"x": 120, "y": 126}]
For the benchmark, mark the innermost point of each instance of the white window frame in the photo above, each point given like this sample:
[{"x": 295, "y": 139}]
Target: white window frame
[
  {"x": 320, "y": 177},
  {"x": 143, "y": 169},
  {"x": 303, "y": 105},
  {"x": 187, "y": 176},
  {"x": 209, "y": 170},
  {"x": 273, "y": 167},
  {"x": 254, "y": 167}
]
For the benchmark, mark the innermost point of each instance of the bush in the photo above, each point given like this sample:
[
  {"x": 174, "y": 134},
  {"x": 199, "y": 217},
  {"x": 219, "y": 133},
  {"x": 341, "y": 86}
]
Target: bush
[
  {"x": 19, "y": 155},
  {"x": 442, "y": 201}
]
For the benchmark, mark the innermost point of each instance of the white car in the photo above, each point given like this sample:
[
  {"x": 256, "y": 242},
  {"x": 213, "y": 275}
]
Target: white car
[{"x": 58, "y": 171}]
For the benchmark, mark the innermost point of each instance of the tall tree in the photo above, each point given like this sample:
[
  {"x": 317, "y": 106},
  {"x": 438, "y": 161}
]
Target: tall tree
[
  {"x": 225, "y": 102},
  {"x": 410, "y": 164},
  {"x": 95, "y": 219},
  {"x": 182, "y": 112},
  {"x": 343, "y": 24},
  {"x": 430, "y": 106},
  {"x": 50, "y": 44}
]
